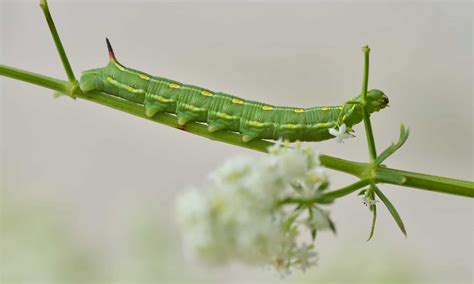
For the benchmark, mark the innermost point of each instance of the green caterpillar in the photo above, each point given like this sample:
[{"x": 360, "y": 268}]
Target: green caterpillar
[{"x": 225, "y": 112}]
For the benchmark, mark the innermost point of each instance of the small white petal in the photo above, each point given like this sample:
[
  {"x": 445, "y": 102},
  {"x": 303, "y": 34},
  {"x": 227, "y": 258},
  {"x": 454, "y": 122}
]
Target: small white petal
[
  {"x": 369, "y": 202},
  {"x": 342, "y": 128},
  {"x": 340, "y": 134},
  {"x": 333, "y": 132}
]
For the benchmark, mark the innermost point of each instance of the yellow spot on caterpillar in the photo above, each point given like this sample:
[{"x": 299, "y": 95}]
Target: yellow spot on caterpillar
[
  {"x": 324, "y": 108},
  {"x": 162, "y": 99},
  {"x": 194, "y": 108},
  {"x": 174, "y": 86},
  {"x": 144, "y": 77},
  {"x": 291, "y": 126},
  {"x": 320, "y": 125},
  {"x": 341, "y": 107},
  {"x": 206, "y": 93},
  {"x": 255, "y": 123},
  {"x": 135, "y": 91},
  {"x": 298, "y": 110},
  {"x": 237, "y": 101},
  {"x": 267, "y": 107},
  {"x": 226, "y": 116}
]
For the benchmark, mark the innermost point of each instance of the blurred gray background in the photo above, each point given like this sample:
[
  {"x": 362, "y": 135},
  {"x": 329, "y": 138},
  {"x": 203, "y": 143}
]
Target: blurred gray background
[{"x": 78, "y": 179}]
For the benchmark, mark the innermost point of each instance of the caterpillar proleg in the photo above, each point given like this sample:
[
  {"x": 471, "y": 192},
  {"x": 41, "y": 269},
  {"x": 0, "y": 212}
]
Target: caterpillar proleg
[{"x": 220, "y": 111}]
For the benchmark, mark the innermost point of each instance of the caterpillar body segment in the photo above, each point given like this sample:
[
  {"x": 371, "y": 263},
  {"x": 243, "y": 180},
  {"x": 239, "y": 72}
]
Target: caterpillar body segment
[{"x": 223, "y": 111}]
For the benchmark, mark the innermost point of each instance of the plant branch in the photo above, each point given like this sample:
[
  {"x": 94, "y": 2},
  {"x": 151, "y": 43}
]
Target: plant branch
[
  {"x": 329, "y": 196},
  {"x": 365, "y": 113},
  {"x": 57, "y": 41},
  {"x": 409, "y": 179},
  {"x": 430, "y": 182}
]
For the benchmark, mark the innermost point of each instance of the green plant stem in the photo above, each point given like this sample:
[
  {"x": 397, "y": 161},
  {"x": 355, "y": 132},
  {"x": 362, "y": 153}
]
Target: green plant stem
[
  {"x": 432, "y": 183},
  {"x": 412, "y": 179},
  {"x": 57, "y": 41},
  {"x": 365, "y": 112},
  {"x": 346, "y": 190},
  {"x": 329, "y": 196}
]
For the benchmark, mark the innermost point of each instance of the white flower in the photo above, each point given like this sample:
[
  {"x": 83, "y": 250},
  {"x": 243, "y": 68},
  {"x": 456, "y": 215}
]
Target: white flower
[
  {"x": 291, "y": 164},
  {"x": 237, "y": 215},
  {"x": 368, "y": 201},
  {"x": 305, "y": 256},
  {"x": 340, "y": 133},
  {"x": 318, "y": 220},
  {"x": 277, "y": 146},
  {"x": 233, "y": 170}
]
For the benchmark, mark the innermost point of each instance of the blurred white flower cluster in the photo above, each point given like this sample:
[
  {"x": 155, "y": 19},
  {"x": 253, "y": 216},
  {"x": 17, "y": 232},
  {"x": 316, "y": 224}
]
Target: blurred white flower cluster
[{"x": 252, "y": 210}]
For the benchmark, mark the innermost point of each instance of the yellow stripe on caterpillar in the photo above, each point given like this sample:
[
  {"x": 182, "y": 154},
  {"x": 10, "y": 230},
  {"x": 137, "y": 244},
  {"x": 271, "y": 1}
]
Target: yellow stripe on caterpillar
[
  {"x": 194, "y": 108},
  {"x": 161, "y": 99},
  {"x": 292, "y": 126},
  {"x": 226, "y": 116}
]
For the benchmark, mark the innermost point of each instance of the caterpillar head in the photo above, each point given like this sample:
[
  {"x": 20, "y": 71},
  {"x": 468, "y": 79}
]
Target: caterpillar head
[{"x": 376, "y": 100}]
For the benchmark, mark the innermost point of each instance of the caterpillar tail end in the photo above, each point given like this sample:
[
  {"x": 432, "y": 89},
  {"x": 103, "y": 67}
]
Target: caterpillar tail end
[{"x": 110, "y": 49}]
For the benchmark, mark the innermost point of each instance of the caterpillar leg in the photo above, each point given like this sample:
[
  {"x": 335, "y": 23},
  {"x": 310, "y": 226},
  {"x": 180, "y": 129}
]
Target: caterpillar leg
[
  {"x": 152, "y": 109},
  {"x": 155, "y": 103},
  {"x": 215, "y": 127},
  {"x": 182, "y": 120},
  {"x": 191, "y": 107},
  {"x": 249, "y": 136}
]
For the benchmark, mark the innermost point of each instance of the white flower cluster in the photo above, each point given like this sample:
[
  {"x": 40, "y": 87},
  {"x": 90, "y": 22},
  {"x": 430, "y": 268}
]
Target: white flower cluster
[{"x": 241, "y": 214}]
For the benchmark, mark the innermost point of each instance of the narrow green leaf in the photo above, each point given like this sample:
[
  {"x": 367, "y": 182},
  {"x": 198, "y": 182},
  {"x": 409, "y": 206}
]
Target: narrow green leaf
[
  {"x": 332, "y": 226},
  {"x": 325, "y": 200},
  {"x": 373, "y": 208},
  {"x": 404, "y": 132},
  {"x": 391, "y": 209}
]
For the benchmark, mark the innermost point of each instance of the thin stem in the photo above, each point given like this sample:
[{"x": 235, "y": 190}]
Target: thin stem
[
  {"x": 57, "y": 41},
  {"x": 35, "y": 78},
  {"x": 431, "y": 182},
  {"x": 346, "y": 190},
  {"x": 324, "y": 198},
  {"x": 412, "y": 179},
  {"x": 367, "y": 123}
]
